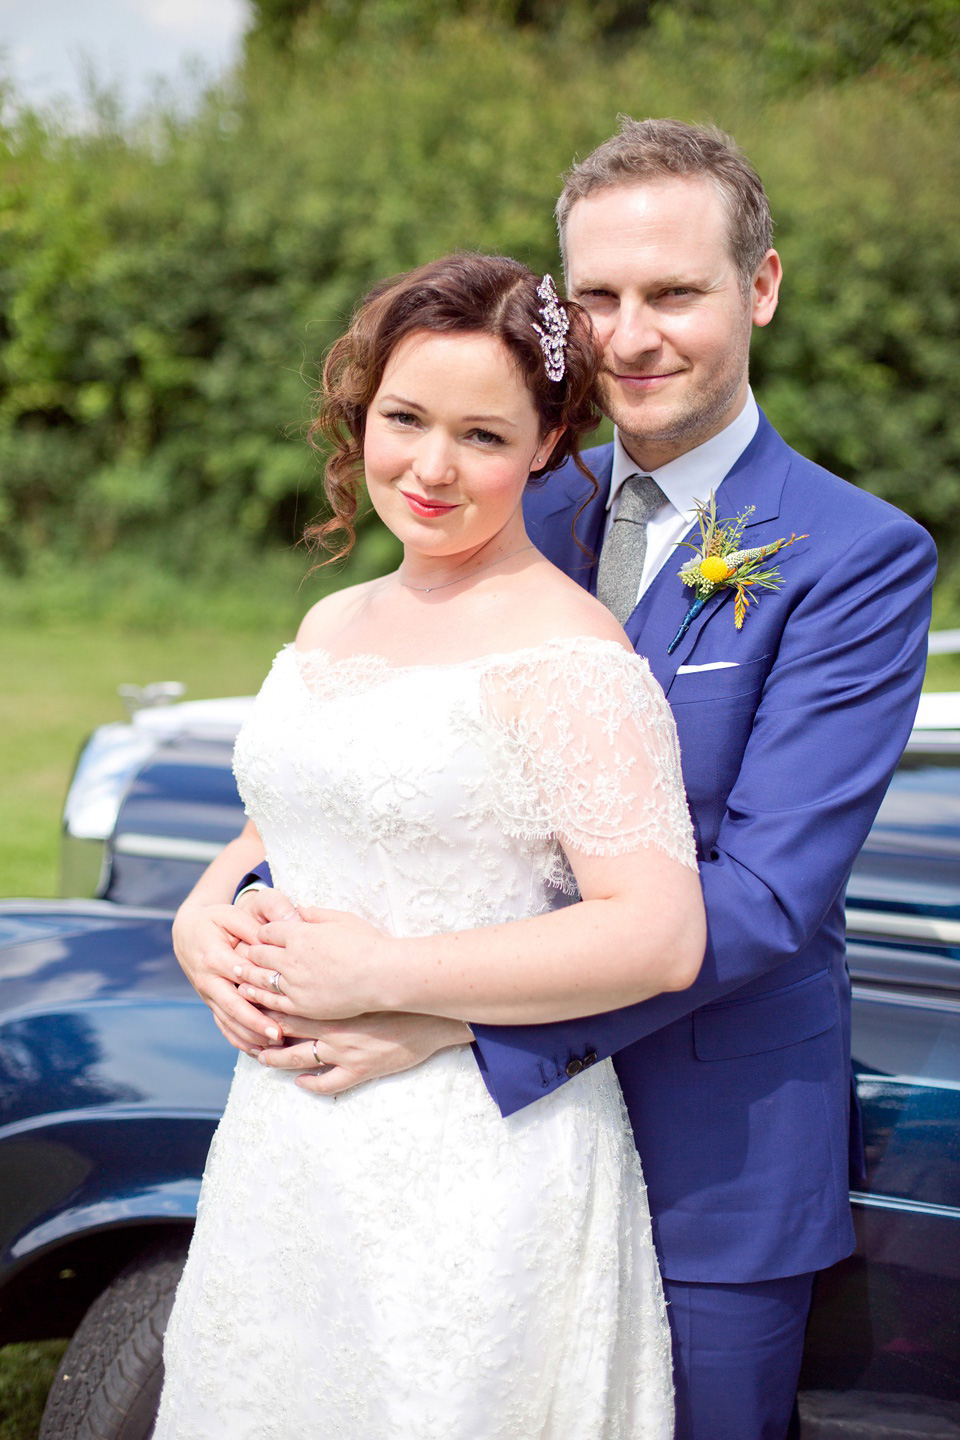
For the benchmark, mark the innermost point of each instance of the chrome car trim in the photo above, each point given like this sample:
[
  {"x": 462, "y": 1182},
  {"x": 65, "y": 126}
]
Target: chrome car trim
[
  {"x": 914, "y": 1207},
  {"x": 85, "y": 866},
  {"x": 166, "y": 847},
  {"x": 909, "y": 998},
  {"x": 903, "y": 927},
  {"x": 144, "y": 697},
  {"x": 915, "y": 1082},
  {"x": 105, "y": 770},
  {"x": 943, "y": 642},
  {"x": 943, "y": 741}
]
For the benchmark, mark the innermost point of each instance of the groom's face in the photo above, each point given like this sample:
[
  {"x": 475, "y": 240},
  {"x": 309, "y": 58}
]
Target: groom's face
[{"x": 652, "y": 265}]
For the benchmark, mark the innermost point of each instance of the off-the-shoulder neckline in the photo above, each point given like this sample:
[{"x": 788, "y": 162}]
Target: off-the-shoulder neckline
[{"x": 563, "y": 643}]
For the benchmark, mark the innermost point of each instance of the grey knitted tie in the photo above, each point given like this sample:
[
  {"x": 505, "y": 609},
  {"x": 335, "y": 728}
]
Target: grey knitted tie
[{"x": 623, "y": 551}]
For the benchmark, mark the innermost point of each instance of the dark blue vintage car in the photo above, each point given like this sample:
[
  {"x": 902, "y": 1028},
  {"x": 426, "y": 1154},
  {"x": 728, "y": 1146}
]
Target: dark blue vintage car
[{"x": 112, "y": 1077}]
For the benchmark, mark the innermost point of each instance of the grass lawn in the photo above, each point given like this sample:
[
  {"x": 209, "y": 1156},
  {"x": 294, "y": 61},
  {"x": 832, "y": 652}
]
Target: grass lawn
[
  {"x": 943, "y": 673},
  {"x": 26, "y": 1373}
]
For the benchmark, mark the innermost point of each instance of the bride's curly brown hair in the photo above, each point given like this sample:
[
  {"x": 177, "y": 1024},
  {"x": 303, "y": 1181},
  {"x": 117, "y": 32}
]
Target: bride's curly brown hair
[{"x": 462, "y": 293}]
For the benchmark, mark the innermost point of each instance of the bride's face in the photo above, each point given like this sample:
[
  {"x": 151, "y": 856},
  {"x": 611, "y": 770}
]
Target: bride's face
[{"x": 451, "y": 436}]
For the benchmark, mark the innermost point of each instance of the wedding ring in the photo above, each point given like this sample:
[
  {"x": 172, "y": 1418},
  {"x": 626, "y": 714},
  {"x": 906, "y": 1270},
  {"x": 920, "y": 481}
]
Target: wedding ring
[
  {"x": 275, "y": 982},
  {"x": 322, "y": 1063}
]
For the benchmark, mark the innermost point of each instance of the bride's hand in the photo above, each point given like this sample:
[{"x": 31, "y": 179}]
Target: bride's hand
[
  {"x": 205, "y": 940},
  {"x": 342, "y": 1053},
  {"x": 326, "y": 968}
]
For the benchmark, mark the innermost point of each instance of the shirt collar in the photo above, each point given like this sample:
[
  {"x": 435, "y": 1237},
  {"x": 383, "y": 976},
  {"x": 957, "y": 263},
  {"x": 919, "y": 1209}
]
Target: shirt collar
[{"x": 691, "y": 477}]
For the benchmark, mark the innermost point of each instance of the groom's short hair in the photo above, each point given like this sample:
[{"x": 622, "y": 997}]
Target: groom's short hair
[{"x": 659, "y": 149}]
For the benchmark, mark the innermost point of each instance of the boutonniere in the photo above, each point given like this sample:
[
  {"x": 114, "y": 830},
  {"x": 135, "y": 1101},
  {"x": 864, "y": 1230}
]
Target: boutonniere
[{"x": 721, "y": 564}]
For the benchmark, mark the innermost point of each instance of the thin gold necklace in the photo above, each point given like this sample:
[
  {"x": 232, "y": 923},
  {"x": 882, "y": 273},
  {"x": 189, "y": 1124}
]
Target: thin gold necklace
[{"x": 425, "y": 589}]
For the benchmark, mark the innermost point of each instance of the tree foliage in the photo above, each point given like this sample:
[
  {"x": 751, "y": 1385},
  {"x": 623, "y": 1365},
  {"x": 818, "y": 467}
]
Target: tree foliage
[
  {"x": 281, "y": 23},
  {"x": 167, "y": 288},
  {"x": 799, "y": 42}
]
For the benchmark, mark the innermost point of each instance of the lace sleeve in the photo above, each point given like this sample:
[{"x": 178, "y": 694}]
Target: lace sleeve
[{"x": 585, "y": 752}]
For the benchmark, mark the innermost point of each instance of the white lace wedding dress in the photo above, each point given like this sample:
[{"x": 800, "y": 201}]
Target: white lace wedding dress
[{"x": 402, "y": 1263}]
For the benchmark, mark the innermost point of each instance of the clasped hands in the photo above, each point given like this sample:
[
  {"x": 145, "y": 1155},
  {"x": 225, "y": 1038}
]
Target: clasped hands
[
  {"x": 328, "y": 962},
  {"x": 328, "y": 965}
]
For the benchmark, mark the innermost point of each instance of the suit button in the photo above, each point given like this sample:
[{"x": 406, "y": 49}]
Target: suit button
[
  {"x": 590, "y": 1058},
  {"x": 574, "y": 1067}
]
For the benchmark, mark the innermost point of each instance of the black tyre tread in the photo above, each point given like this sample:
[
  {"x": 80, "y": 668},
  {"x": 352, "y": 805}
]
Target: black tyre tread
[{"x": 109, "y": 1381}]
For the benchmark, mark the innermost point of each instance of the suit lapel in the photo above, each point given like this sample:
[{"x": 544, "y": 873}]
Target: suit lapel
[{"x": 757, "y": 478}]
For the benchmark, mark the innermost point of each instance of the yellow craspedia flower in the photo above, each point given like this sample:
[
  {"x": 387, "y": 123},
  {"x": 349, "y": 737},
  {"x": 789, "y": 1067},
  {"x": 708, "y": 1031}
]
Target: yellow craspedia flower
[{"x": 714, "y": 569}]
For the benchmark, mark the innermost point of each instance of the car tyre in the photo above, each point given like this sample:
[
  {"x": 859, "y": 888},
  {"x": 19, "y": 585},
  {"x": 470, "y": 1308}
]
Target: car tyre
[{"x": 109, "y": 1381}]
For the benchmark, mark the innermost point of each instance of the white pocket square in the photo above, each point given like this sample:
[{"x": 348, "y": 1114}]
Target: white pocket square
[{"x": 714, "y": 665}]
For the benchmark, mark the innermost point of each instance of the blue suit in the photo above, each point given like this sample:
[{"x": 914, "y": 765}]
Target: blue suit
[{"x": 739, "y": 1088}]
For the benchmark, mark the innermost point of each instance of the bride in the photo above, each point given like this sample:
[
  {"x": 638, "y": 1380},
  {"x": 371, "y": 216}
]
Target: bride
[{"x": 466, "y": 766}]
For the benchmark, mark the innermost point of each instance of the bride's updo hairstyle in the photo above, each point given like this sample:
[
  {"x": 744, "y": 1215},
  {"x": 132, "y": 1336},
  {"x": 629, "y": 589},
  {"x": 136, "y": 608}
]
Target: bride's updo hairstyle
[{"x": 460, "y": 294}]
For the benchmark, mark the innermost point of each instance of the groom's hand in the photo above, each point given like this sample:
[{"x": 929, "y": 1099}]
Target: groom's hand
[
  {"x": 359, "y": 1049},
  {"x": 266, "y": 905}
]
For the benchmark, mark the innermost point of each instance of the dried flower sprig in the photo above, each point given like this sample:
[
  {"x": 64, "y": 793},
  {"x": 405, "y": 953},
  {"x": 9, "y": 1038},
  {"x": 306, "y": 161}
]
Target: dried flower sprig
[{"x": 721, "y": 563}]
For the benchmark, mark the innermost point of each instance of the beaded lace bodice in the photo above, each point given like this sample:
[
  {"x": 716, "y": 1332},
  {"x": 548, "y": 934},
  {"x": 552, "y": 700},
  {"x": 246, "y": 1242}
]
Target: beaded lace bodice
[{"x": 430, "y": 798}]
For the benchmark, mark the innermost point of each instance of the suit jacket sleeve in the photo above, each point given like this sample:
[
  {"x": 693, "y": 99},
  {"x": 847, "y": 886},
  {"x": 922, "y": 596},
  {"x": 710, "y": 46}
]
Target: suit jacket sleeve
[
  {"x": 260, "y": 872},
  {"x": 832, "y": 722}
]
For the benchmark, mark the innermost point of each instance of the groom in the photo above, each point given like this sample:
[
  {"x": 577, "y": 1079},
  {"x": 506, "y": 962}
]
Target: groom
[{"x": 790, "y": 726}]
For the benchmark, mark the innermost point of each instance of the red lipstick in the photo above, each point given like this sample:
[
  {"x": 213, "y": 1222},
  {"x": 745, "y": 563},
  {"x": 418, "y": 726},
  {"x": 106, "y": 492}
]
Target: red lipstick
[{"x": 429, "y": 509}]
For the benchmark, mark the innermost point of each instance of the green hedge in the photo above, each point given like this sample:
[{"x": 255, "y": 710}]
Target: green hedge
[{"x": 167, "y": 287}]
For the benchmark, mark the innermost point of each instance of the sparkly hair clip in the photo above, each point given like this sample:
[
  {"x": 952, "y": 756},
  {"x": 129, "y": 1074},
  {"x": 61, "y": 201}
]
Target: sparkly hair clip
[{"x": 553, "y": 332}]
